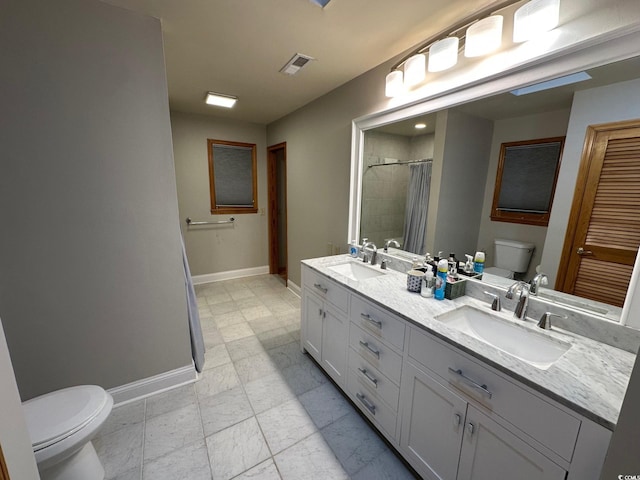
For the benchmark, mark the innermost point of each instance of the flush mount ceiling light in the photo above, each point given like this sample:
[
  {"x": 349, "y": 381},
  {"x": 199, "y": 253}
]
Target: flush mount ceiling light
[
  {"x": 535, "y": 18},
  {"x": 420, "y": 126},
  {"x": 484, "y": 36},
  {"x": 221, "y": 100},
  {"x": 479, "y": 33},
  {"x": 556, "y": 82},
  {"x": 296, "y": 63}
]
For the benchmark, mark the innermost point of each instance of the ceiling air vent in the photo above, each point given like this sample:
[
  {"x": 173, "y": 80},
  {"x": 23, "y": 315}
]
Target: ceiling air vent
[{"x": 297, "y": 62}]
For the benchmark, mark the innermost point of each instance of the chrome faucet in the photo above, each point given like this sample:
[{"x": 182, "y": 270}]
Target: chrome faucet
[
  {"x": 537, "y": 281},
  {"x": 545, "y": 320},
  {"x": 373, "y": 254},
  {"x": 523, "y": 301},
  {"x": 389, "y": 242}
]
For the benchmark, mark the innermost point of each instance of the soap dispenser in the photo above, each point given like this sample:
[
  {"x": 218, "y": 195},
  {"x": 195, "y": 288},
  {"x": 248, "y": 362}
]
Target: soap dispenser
[{"x": 428, "y": 283}]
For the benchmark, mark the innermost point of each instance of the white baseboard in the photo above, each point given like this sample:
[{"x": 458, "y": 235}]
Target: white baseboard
[
  {"x": 219, "y": 276},
  {"x": 152, "y": 385},
  {"x": 295, "y": 289}
]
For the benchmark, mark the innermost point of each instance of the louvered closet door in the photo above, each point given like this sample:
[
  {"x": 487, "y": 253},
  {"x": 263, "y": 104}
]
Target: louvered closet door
[{"x": 606, "y": 214}]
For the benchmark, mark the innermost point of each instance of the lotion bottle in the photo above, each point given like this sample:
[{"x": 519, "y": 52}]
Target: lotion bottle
[{"x": 441, "y": 279}]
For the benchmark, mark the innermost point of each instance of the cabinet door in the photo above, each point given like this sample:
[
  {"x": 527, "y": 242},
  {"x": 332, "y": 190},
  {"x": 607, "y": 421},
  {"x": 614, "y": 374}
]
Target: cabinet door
[
  {"x": 335, "y": 336},
  {"x": 312, "y": 313},
  {"x": 489, "y": 452},
  {"x": 432, "y": 425}
]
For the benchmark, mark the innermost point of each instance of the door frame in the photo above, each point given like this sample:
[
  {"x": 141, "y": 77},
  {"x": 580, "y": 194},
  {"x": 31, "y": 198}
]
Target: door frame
[
  {"x": 272, "y": 189},
  {"x": 579, "y": 193}
]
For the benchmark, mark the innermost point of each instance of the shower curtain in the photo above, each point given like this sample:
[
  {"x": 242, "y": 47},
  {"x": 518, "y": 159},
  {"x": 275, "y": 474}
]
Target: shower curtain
[
  {"x": 415, "y": 220},
  {"x": 197, "y": 341}
]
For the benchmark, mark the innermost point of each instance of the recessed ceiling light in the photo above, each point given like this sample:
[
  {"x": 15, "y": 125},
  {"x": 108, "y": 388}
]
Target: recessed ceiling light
[
  {"x": 556, "y": 82},
  {"x": 221, "y": 100},
  {"x": 420, "y": 125}
]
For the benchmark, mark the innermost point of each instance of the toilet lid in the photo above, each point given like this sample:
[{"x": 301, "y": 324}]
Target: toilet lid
[
  {"x": 55, "y": 416},
  {"x": 499, "y": 272}
]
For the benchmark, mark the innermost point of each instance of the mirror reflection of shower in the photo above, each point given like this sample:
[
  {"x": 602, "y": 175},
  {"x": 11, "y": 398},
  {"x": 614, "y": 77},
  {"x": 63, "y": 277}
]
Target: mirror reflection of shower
[{"x": 395, "y": 188}]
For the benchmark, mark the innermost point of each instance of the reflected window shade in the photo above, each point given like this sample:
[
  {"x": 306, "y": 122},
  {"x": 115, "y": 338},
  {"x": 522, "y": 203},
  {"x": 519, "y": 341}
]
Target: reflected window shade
[
  {"x": 233, "y": 167},
  {"x": 528, "y": 178}
]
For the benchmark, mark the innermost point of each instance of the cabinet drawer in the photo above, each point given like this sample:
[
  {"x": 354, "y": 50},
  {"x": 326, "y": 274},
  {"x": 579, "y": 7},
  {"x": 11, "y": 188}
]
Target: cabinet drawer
[
  {"x": 377, "y": 322},
  {"x": 373, "y": 380},
  {"x": 370, "y": 403},
  {"x": 543, "y": 421},
  {"x": 326, "y": 288},
  {"x": 377, "y": 353}
]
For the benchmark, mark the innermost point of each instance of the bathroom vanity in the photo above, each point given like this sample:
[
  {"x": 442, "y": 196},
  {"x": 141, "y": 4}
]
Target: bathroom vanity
[{"x": 453, "y": 405}]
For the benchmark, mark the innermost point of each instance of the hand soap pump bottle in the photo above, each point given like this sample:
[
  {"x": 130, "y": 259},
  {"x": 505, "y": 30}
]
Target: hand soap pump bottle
[
  {"x": 441, "y": 279},
  {"x": 478, "y": 262},
  {"x": 427, "y": 283}
]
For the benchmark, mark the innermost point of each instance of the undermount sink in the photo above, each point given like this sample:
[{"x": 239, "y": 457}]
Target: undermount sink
[
  {"x": 356, "y": 271},
  {"x": 534, "y": 348}
]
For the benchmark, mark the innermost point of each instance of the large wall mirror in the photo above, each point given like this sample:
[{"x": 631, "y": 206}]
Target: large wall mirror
[{"x": 425, "y": 174}]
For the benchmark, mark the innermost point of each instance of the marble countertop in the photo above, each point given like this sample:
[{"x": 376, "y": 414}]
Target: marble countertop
[{"x": 590, "y": 378}]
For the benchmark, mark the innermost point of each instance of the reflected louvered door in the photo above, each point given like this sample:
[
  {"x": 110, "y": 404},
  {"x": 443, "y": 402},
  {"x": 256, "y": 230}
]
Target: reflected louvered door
[
  {"x": 4, "y": 473},
  {"x": 605, "y": 215}
]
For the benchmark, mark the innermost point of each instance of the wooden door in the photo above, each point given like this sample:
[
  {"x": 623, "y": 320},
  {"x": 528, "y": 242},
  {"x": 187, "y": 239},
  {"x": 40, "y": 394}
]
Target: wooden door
[
  {"x": 490, "y": 452},
  {"x": 432, "y": 425},
  {"x": 603, "y": 233},
  {"x": 277, "y": 200},
  {"x": 4, "y": 473}
]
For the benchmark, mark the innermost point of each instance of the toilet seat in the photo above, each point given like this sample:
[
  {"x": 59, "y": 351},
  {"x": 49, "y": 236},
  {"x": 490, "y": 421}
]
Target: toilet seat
[
  {"x": 56, "y": 416},
  {"x": 499, "y": 272}
]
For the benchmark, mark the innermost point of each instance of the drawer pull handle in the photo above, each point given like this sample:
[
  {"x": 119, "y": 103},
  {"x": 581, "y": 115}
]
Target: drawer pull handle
[
  {"x": 457, "y": 419},
  {"x": 368, "y": 347},
  {"x": 471, "y": 428},
  {"x": 472, "y": 383},
  {"x": 368, "y": 405},
  {"x": 321, "y": 288},
  {"x": 368, "y": 318},
  {"x": 369, "y": 377}
]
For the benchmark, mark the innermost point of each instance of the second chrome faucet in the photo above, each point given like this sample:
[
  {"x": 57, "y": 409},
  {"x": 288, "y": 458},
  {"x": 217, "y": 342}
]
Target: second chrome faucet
[{"x": 521, "y": 288}]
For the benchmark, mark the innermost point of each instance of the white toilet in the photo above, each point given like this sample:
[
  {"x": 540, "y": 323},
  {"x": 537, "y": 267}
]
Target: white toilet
[
  {"x": 511, "y": 257},
  {"x": 61, "y": 425}
]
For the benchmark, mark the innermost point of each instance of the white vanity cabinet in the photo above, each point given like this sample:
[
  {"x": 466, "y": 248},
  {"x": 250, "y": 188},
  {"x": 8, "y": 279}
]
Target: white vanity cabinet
[{"x": 325, "y": 326}]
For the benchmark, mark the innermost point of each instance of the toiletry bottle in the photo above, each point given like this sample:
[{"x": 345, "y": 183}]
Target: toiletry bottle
[
  {"x": 478, "y": 262},
  {"x": 415, "y": 263},
  {"x": 468, "y": 267},
  {"x": 453, "y": 265},
  {"x": 428, "y": 283},
  {"x": 354, "y": 250},
  {"x": 441, "y": 280}
]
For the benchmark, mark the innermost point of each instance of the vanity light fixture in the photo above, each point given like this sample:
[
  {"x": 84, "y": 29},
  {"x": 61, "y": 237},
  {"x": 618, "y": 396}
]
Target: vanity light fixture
[
  {"x": 484, "y": 36},
  {"x": 414, "y": 70},
  {"x": 221, "y": 100},
  {"x": 420, "y": 126},
  {"x": 535, "y": 18},
  {"x": 479, "y": 33}
]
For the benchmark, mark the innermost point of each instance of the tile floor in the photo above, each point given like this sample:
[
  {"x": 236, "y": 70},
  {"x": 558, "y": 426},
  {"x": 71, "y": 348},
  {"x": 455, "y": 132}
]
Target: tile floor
[{"x": 261, "y": 409}]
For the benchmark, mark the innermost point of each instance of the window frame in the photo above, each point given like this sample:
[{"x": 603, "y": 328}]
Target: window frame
[
  {"x": 215, "y": 210},
  {"x": 523, "y": 217}
]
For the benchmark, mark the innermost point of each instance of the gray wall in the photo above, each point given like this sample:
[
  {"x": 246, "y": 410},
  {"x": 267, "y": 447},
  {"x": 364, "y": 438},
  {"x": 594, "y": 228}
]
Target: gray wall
[
  {"x": 222, "y": 248},
  {"x": 530, "y": 127},
  {"x": 460, "y": 162},
  {"x": 92, "y": 286},
  {"x": 597, "y": 105}
]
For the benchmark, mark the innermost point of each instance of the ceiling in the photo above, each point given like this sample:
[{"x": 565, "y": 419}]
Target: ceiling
[{"x": 237, "y": 47}]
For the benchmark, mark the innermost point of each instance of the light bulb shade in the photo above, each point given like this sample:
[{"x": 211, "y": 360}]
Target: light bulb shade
[
  {"x": 443, "y": 54},
  {"x": 484, "y": 36},
  {"x": 535, "y": 18},
  {"x": 414, "y": 70},
  {"x": 393, "y": 84}
]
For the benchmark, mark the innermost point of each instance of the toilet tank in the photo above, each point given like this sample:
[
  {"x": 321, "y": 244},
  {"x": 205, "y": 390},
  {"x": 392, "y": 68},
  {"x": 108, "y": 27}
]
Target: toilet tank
[{"x": 513, "y": 255}]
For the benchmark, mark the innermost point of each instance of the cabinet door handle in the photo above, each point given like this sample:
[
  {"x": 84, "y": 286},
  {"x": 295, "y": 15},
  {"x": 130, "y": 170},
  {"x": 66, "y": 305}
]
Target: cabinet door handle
[
  {"x": 369, "y": 377},
  {"x": 457, "y": 419},
  {"x": 321, "y": 288},
  {"x": 472, "y": 383},
  {"x": 471, "y": 428},
  {"x": 320, "y": 312},
  {"x": 368, "y": 347},
  {"x": 368, "y": 405},
  {"x": 368, "y": 318}
]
